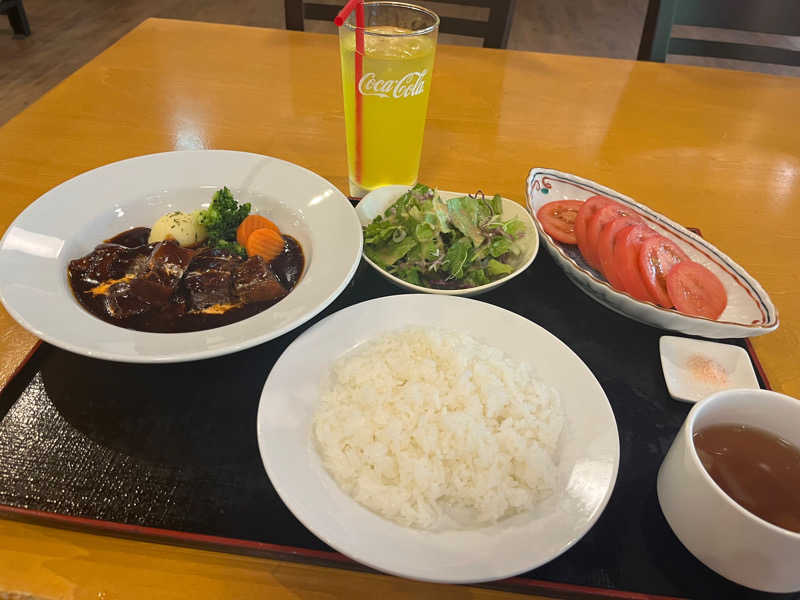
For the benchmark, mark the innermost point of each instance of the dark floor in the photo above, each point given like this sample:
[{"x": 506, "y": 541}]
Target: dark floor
[{"x": 68, "y": 33}]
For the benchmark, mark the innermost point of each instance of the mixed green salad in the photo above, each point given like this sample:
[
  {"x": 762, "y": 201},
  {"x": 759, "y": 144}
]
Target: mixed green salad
[{"x": 454, "y": 244}]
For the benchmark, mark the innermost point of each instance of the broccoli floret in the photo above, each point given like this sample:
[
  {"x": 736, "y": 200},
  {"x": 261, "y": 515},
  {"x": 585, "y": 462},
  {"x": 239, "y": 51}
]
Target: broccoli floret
[
  {"x": 221, "y": 220},
  {"x": 232, "y": 247}
]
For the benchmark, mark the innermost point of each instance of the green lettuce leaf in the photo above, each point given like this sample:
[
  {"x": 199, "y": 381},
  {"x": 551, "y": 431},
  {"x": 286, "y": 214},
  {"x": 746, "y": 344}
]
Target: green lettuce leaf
[
  {"x": 463, "y": 212},
  {"x": 380, "y": 231},
  {"x": 477, "y": 277},
  {"x": 514, "y": 227},
  {"x": 440, "y": 210},
  {"x": 499, "y": 246},
  {"x": 409, "y": 274},
  {"x": 457, "y": 256},
  {"x": 495, "y": 268},
  {"x": 424, "y": 232},
  {"x": 389, "y": 254},
  {"x": 497, "y": 204}
]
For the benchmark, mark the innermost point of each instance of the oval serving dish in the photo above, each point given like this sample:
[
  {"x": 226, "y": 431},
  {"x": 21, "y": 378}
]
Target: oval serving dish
[{"x": 750, "y": 312}]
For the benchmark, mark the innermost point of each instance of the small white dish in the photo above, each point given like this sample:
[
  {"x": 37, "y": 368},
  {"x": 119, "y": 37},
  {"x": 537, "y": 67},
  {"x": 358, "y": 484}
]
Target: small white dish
[
  {"x": 718, "y": 531},
  {"x": 750, "y": 312},
  {"x": 71, "y": 219},
  {"x": 588, "y": 456},
  {"x": 695, "y": 369},
  {"x": 377, "y": 201}
]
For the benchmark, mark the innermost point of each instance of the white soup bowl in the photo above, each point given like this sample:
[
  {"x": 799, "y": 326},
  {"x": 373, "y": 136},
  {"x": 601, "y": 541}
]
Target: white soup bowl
[{"x": 719, "y": 532}]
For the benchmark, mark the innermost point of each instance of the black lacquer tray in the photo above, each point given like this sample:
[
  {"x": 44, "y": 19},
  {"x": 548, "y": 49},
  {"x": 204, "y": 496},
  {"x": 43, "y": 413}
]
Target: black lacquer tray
[{"x": 169, "y": 452}]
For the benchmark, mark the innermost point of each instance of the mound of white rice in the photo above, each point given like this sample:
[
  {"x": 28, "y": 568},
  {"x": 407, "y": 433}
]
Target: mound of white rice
[{"x": 428, "y": 427}]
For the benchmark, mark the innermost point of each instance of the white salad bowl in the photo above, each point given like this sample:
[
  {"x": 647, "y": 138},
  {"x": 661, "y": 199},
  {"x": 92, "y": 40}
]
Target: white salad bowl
[
  {"x": 377, "y": 201},
  {"x": 71, "y": 219},
  {"x": 750, "y": 312},
  {"x": 587, "y": 452}
]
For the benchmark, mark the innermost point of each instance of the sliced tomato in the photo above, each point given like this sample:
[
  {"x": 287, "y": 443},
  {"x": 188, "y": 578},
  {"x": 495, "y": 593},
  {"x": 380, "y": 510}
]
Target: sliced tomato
[
  {"x": 587, "y": 211},
  {"x": 603, "y": 216},
  {"x": 605, "y": 247},
  {"x": 657, "y": 256},
  {"x": 696, "y": 291},
  {"x": 558, "y": 219},
  {"x": 627, "y": 246}
]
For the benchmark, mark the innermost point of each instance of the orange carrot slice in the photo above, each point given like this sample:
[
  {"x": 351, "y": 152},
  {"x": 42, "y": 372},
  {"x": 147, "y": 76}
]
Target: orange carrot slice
[
  {"x": 250, "y": 224},
  {"x": 265, "y": 242}
]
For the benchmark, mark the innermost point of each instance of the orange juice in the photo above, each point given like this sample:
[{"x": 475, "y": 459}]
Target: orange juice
[{"x": 394, "y": 86}]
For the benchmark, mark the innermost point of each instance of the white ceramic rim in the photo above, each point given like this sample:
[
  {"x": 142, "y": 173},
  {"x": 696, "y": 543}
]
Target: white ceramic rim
[{"x": 688, "y": 432}]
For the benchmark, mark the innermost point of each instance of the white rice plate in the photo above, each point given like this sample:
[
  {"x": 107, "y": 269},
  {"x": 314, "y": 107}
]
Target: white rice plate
[{"x": 435, "y": 430}]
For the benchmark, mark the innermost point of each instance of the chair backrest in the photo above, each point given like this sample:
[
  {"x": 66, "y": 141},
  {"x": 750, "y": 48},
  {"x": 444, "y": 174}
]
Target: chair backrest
[
  {"x": 780, "y": 17},
  {"x": 493, "y": 31}
]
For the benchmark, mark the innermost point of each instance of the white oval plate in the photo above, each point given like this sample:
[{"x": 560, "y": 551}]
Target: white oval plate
[
  {"x": 377, "y": 201},
  {"x": 587, "y": 463},
  {"x": 71, "y": 219},
  {"x": 750, "y": 312}
]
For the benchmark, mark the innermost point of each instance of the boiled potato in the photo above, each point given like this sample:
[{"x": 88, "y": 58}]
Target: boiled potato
[{"x": 182, "y": 227}]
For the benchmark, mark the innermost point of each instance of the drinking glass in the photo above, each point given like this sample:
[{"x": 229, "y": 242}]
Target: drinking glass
[{"x": 386, "y": 82}]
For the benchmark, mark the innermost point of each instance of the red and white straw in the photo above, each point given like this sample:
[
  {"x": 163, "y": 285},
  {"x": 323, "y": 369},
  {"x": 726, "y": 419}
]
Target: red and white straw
[{"x": 358, "y": 5}]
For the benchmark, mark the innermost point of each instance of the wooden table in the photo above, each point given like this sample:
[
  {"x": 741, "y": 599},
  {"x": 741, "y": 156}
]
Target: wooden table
[{"x": 712, "y": 149}]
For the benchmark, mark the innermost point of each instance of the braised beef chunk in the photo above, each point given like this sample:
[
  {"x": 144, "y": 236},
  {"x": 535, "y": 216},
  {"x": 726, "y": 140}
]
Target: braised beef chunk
[
  {"x": 209, "y": 278},
  {"x": 131, "y": 238},
  {"x": 134, "y": 297},
  {"x": 168, "y": 262},
  {"x": 207, "y": 288},
  {"x": 163, "y": 287},
  {"x": 214, "y": 259},
  {"x": 256, "y": 282},
  {"x": 109, "y": 261}
]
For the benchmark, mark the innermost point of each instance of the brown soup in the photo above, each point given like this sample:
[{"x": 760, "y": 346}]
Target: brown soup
[{"x": 759, "y": 470}]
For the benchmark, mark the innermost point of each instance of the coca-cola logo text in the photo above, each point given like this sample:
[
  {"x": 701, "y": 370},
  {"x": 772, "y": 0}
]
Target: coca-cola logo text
[{"x": 411, "y": 84}]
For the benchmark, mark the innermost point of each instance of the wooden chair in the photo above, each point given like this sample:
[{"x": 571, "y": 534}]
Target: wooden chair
[
  {"x": 494, "y": 31},
  {"x": 16, "y": 16},
  {"x": 761, "y": 16}
]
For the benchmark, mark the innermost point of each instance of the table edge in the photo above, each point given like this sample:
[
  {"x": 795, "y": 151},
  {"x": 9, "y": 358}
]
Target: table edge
[{"x": 321, "y": 558}]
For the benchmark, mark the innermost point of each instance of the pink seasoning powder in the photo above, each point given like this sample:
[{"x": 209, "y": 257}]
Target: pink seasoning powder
[{"x": 707, "y": 370}]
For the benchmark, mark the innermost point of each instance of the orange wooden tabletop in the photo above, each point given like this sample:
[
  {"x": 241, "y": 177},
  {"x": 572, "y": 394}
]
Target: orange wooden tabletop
[{"x": 709, "y": 148}]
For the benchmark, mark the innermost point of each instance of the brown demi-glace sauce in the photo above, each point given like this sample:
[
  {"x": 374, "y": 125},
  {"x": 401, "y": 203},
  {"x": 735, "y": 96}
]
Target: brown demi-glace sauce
[
  {"x": 172, "y": 306},
  {"x": 757, "y": 469}
]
